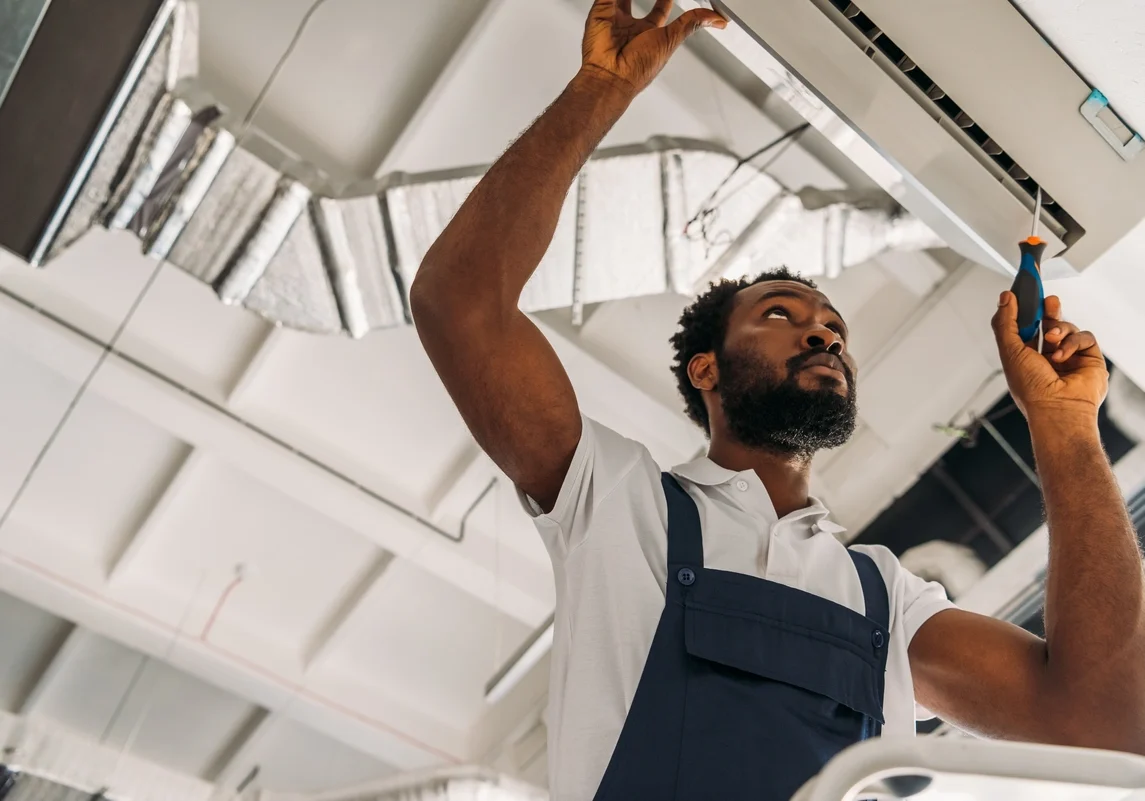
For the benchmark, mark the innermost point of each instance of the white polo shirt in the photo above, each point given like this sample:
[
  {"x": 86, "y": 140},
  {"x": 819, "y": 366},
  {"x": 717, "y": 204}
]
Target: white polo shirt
[{"x": 607, "y": 536}]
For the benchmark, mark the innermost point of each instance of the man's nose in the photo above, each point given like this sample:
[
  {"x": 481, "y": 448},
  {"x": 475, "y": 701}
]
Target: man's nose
[{"x": 821, "y": 338}]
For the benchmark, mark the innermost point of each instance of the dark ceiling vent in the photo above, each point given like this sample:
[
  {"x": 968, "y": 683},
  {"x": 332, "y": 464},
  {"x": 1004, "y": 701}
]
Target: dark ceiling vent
[
  {"x": 981, "y": 491},
  {"x": 905, "y": 70}
]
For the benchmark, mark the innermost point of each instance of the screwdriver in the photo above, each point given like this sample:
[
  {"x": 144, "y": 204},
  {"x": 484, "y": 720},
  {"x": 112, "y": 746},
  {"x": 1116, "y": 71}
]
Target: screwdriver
[{"x": 1028, "y": 282}]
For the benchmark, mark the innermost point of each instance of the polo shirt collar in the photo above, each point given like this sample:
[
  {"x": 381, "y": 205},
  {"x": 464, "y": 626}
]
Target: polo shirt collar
[{"x": 705, "y": 472}]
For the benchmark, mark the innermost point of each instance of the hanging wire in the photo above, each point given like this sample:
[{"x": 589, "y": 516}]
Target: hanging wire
[
  {"x": 701, "y": 226},
  {"x": 140, "y": 671},
  {"x": 718, "y": 97},
  {"x": 106, "y": 351}
]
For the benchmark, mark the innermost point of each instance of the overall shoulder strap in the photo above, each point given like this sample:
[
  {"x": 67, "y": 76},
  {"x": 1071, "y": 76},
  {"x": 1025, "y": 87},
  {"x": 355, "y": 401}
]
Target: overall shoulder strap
[
  {"x": 875, "y": 593},
  {"x": 685, "y": 541}
]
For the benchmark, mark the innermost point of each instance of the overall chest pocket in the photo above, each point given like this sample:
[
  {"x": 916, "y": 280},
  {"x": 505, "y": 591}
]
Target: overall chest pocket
[{"x": 799, "y": 639}]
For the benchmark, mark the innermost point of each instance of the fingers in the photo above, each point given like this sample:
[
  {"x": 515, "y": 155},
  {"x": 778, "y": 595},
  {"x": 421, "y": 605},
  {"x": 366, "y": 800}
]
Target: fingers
[
  {"x": 660, "y": 12},
  {"x": 1053, "y": 307},
  {"x": 602, "y": 10},
  {"x": 1057, "y": 330},
  {"x": 1005, "y": 325},
  {"x": 679, "y": 31},
  {"x": 1074, "y": 343}
]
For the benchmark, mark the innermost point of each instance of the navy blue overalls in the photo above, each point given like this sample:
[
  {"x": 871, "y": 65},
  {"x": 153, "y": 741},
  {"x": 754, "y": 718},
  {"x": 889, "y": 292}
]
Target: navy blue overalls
[{"x": 750, "y": 686}]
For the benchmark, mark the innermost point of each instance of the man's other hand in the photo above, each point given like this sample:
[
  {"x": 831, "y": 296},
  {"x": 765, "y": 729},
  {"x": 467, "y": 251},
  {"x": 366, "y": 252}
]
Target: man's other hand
[
  {"x": 619, "y": 47},
  {"x": 1069, "y": 376}
]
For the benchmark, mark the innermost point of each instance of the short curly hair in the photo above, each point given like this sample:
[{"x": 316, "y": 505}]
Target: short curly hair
[{"x": 703, "y": 326}]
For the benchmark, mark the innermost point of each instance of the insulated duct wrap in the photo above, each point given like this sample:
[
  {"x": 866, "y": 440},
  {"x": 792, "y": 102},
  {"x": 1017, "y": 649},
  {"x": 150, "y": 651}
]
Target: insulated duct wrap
[{"x": 271, "y": 234}]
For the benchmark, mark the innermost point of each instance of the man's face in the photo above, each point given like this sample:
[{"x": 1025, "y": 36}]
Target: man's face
[{"x": 786, "y": 379}]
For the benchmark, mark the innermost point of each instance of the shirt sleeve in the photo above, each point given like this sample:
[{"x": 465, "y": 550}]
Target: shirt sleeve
[
  {"x": 913, "y": 601},
  {"x": 602, "y": 460},
  {"x": 920, "y": 601}
]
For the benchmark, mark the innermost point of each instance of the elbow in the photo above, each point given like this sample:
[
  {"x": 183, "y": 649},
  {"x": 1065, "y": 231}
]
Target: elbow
[
  {"x": 421, "y": 299},
  {"x": 426, "y": 291},
  {"x": 1107, "y": 718},
  {"x": 431, "y": 299},
  {"x": 441, "y": 310}
]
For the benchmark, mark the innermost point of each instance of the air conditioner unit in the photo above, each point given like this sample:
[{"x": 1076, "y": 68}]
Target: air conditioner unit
[{"x": 968, "y": 108}]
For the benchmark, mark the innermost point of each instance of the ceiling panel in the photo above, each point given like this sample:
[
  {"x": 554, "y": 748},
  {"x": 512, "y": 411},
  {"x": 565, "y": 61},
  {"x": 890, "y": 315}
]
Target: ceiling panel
[
  {"x": 458, "y": 128},
  {"x": 27, "y": 417},
  {"x": 357, "y": 75},
  {"x": 875, "y": 307},
  {"x": 373, "y": 408},
  {"x": 183, "y": 328},
  {"x": 118, "y": 696},
  {"x": 294, "y": 758},
  {"x": 423, "y": 639},
  {"x": 96, "y": 484},
  {"x": 299, "y": 564}
]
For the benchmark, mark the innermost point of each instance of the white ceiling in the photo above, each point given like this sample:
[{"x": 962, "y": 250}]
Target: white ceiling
[{"x": 355, "y": 640}]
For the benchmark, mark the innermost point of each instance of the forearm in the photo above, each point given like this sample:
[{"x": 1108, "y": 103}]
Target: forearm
[
  {"x": 499, "y": 236},
  {"x": 1095, "y": 594}
]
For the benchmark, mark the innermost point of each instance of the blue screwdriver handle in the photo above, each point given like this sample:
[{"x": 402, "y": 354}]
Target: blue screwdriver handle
[{"x": 1028, "y": 288}]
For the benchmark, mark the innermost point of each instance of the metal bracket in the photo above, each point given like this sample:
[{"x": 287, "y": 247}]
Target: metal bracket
[{"x": 1123, "y": 139}]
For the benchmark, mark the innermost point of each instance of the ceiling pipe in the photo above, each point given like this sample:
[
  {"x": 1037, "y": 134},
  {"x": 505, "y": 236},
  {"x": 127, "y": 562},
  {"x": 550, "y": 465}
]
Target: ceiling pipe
[{"x": 274, "y": 235}]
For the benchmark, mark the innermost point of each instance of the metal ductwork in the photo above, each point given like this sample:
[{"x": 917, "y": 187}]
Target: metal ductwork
[
  {"x": 16, "y": 785},
  {"x": 277, "y": 237},
  {"x": 452, "y": 784}
]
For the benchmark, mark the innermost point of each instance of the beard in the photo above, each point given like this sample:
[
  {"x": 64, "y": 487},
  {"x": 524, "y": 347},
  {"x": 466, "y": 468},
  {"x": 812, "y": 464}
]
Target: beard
[{"x": 777, "y": 414}]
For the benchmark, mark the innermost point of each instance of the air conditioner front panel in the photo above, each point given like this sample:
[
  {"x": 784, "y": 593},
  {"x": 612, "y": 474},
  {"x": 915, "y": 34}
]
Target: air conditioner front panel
[
  {"x": 940, "y": 181},
  {"x": 1014, "y": 84},
  {"x": 979, "y": 213}
]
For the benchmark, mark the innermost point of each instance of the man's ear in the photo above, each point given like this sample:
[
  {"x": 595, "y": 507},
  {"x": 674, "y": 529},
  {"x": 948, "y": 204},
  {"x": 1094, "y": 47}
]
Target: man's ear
[{"x": 703, "y": 371}]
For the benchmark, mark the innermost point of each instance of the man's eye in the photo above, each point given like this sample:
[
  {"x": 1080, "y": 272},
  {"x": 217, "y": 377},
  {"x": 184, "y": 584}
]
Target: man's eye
[{"x": 777, "y": 311}]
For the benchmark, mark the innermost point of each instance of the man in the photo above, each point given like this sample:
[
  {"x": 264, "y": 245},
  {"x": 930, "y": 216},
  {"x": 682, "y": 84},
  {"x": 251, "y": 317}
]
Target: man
[{"x": 713, "y": 639}]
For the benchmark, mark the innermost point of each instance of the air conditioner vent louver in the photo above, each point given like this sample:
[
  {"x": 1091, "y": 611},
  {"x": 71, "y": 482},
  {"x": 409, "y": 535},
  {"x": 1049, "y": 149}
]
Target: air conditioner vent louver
[{"x": 906, "y": 71}]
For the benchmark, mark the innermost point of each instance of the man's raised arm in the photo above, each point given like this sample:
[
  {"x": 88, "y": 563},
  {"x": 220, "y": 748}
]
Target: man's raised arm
[
  {"x": 500, "y": 370},
  {"x": 1084, "y": 685}
]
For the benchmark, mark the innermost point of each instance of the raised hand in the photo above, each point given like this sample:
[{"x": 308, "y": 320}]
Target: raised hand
[
  {"x": 1070, "y": 375},
  {"x": 619, "y": 47}
]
